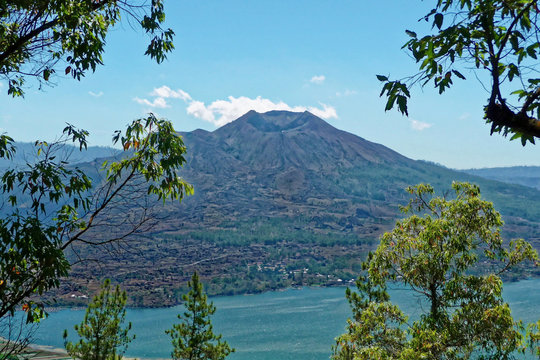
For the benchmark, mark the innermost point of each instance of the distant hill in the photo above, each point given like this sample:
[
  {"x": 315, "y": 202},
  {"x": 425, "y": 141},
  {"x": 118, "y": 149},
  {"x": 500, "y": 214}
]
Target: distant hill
[
  {"x": 522, "y": 175},
  {"x": 26, "y": 153},
  {"x": 284, "y": 199}
]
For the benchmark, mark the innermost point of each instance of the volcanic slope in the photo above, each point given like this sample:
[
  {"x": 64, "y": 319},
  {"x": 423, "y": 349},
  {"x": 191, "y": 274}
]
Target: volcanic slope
[
  {"x": 284, "y": 198},
  {"x": 297, "y": 167}
]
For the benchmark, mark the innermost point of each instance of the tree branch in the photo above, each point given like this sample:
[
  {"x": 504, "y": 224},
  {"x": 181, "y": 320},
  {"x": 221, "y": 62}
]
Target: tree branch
[{"x": 17, "y": 45}]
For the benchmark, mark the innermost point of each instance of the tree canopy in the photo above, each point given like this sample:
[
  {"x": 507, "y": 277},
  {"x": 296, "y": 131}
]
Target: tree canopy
[
  {"x": 435, "y": 253},
  {"x": 49, "y": 206},
  {"x": 495, "y": 37},
  {"x": 41, "y": 37}
]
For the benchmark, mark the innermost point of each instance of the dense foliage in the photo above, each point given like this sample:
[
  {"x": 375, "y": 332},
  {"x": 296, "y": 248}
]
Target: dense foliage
[
  {"x": 102, "y": 335},
  {"x": 193, "y": 338},
  {"x": 38, "y": 38},
  {"x": 495, "y": 37},
  {"x": 432, "y": 252}
]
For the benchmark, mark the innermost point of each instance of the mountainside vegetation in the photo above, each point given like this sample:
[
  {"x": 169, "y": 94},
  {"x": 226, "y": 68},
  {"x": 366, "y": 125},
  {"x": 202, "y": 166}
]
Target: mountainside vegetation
[{"x": 281, "y": 199}]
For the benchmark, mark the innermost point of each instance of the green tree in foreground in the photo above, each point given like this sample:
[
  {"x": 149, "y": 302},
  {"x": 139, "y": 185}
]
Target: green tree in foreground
[
  {"x": 102, "y": 335},
  {"x": 433, "y": 252},
  {"x": 51, "y": 206},
  {"x": 496, "y": 38},
  {"x": 193, "y": 338},
  {"x": 41, "y": 37}
]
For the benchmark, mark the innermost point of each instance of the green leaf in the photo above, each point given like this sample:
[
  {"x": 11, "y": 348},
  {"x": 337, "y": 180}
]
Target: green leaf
[
  {"x": 438, "y": 20},
  {"x": 382, "y": 78},
  {"x": 531, "y": 50},
  {"x": 402, "y": 104},
  {"x": 390, "y": 102},
  {"x": 517, "y": 135},
  {"x": 410, "y": 33},
  {"x": 458, "y": 74}
]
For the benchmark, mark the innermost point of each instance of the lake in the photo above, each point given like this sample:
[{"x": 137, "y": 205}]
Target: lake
[{"x": 298, "y": 324}]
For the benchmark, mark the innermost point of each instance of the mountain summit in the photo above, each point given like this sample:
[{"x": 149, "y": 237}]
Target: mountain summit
[{"x": 281, "y": 139}]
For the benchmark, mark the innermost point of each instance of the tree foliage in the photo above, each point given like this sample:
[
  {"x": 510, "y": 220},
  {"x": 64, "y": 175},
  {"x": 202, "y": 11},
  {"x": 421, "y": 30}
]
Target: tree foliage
[
  {"x": 39, "y": 38},
  {"x": 193, "y": 338},
  {"x": 50, "y": 206},
  {"x": 102, "y": 335},
  {"x": 496, "y": 37},
  {"x": 433, "y": 252}
]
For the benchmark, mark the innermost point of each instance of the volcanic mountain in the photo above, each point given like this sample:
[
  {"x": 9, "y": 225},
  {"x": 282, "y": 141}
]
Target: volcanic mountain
[
  {"x": 285, "y": 194},
  {"x": 282, "y": 164},
  {"x": 298, "y": 168}
]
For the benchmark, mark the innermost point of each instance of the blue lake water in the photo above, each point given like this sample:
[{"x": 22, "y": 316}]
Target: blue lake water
[{"x": 298, "y": 324}]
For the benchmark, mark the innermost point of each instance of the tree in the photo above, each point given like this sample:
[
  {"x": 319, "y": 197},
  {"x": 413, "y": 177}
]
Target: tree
[
  {"x": 50, "y": 207},
  {"x": 435, "y": 252},
  {"x": 496, "y": 37},
  {"x": 102, "y": 335},
  {"x": 39, "y": 37},
  {"x": 194, "y": 338}
]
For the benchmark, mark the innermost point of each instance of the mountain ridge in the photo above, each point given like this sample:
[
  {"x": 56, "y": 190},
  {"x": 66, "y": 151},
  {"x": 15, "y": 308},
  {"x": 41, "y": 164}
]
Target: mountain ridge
[{"x": 522, "y": 175}]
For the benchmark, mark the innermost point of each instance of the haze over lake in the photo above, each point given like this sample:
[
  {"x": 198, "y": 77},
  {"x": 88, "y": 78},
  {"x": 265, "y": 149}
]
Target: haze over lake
[{"x": 291, "y": 324}]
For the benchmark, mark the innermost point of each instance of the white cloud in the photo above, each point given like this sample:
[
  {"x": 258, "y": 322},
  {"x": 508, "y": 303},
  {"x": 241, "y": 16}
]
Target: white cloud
[
  {"x": 317, "y": 79},
  {"x": 199, "y": 110},
  {"x": 221, "y": 112},
  {"x": 166, "y": 92},
  {"x": 419, "y": 125},
  {"x": 327, "y": 112},
  {"x": 99, "y": 94},
  {"x": 347, "y": 92},
  {"x": 161, "y": 94},
  {"x": 157, "y": 103}
]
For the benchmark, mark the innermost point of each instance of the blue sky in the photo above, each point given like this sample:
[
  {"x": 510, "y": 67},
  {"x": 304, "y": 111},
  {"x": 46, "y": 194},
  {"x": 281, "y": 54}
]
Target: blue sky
[{"x": 232, "y": 56}]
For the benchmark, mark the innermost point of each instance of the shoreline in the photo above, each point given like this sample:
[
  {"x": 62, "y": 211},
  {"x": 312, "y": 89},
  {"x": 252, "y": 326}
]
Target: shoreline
[
  {"x": 53, "y": 309},
  {"x": 345, "y": 284},
  {"x": 49, "y": 352}
]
